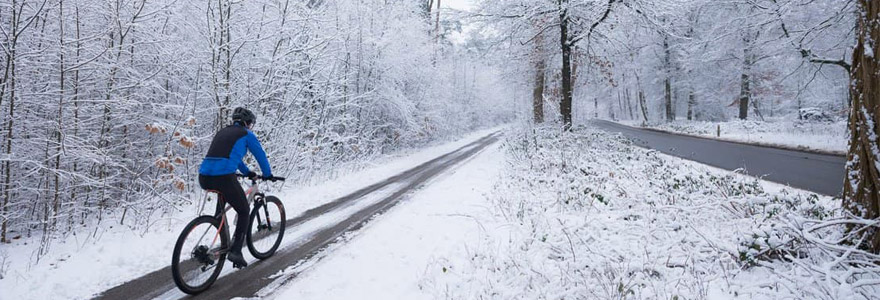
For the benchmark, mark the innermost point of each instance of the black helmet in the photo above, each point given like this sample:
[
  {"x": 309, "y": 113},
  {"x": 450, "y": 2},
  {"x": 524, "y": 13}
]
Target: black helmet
[{"x": 241, "y": 114}]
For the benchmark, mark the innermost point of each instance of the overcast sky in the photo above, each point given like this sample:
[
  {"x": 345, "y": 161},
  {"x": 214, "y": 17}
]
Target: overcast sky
[{"x": 457, "y": 4}]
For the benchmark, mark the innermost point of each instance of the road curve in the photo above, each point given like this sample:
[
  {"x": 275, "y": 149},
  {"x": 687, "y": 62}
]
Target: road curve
[
  {"x": 249, "y": 281},
  {"x": 818, "y": 173}
]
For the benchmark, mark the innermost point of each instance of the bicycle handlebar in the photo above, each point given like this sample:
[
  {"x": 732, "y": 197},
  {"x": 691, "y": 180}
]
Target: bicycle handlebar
[{"x": 272, "y": 179}]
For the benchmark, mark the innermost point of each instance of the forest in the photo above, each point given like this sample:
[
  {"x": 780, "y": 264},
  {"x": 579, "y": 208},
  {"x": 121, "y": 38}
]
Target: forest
[{"x": 107, "y": 108}]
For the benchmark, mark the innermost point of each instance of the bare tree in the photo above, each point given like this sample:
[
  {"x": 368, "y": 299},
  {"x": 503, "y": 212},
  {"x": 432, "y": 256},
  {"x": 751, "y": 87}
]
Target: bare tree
[
  {"x": 18, "y": 24},
  {"x": 75, "y": 87}
]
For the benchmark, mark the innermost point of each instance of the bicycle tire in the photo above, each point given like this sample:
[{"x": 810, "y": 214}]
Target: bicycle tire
[
  {"x": 179, "y": 269},
  {"x": 274, "y": 209}
]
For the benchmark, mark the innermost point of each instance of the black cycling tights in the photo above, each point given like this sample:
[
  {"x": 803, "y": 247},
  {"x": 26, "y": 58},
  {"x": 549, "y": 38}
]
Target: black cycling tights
[{"x": 231, "y": 191}]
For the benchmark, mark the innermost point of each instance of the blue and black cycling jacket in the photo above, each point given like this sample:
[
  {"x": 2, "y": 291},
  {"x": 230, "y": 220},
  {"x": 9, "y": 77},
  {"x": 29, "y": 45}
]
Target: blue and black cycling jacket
[{"x": 229, "y": 146}]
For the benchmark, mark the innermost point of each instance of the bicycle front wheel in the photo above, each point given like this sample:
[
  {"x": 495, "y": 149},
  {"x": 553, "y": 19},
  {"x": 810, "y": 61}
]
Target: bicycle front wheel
[
  {"x": 199, "y": 255},
  {"x": 266, "y": 228}
]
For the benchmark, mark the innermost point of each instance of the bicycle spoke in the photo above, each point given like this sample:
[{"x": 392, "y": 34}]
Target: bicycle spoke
[{"x": 196, "y": 264}]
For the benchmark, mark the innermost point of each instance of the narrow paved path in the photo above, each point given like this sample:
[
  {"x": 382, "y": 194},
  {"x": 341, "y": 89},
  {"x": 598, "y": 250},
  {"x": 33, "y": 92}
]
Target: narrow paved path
[
  {"x": 809, "y": 171},
  {"x": 249, "y": 281}
]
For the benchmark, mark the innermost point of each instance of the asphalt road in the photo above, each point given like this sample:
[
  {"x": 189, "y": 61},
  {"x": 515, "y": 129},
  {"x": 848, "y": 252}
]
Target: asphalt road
[
  {"x": 249, "y": 282},
  {"x": 818, "y": 173}
]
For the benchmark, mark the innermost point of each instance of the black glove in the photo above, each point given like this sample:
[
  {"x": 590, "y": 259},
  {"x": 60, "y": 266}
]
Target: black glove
[{"x": 252, "y": 175}]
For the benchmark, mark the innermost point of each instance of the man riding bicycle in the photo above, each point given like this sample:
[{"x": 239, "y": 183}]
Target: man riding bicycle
[{"x": 217, "y": 171}]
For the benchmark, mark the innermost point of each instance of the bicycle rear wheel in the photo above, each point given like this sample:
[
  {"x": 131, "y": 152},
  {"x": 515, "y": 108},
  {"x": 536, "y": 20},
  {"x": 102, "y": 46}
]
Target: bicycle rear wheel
[
  {"x": 266, "y": 228},
  {"x": 199, "y": 255}
]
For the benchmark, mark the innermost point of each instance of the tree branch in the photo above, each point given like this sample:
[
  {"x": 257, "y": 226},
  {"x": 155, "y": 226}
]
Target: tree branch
[
  {"x": 595, "y": 24},
  {"x": 819, "y": 60},
  {"x": 806, "y": 53}
]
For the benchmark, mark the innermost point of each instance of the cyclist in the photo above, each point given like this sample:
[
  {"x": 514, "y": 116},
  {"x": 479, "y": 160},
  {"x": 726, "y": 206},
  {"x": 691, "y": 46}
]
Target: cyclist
[{"x": 217, "y": 171}]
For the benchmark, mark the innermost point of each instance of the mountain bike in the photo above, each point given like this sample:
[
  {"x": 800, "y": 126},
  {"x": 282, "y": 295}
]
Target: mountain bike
[{"x": 201, "y": 248}]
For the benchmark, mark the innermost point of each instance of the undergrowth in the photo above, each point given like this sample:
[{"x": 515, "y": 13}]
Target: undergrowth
[{"x": 587, "y": 215}]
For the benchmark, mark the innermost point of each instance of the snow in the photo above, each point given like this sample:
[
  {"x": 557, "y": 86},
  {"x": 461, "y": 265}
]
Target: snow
[
  {"x": 821, "y": 136},
  {"x": 302, "y": 233},
  {"x": 80, "y": 266},
  {"x": 615, "y": 221},
  {"x": 302, "y": 198},
  {"x": 389, "y": 256},
  {"x": 513, "y": 222},
  {"x": 655, "y": 226}
]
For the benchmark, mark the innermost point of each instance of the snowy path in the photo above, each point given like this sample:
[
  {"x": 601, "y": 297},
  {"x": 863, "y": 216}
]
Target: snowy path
[
  {"x": 306, "y": 236},
  {"x": 813, "y": 172},
  {"x": 393, "y": 259}
]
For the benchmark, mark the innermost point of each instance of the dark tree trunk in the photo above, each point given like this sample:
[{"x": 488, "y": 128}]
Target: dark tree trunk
[
  {"x": 745, "y": 93},
  {"x": 437, "y": 23},
  {"x": 667, "y": 65},
  {"x": 692, "y": 101},
  {"x": 10, "y": 82},
  {"x": 565, "y": 105},
  {"x": 643, "y": 105},
  {"x": 60, "y": 116},
  {"x": 862, "y": 186}
]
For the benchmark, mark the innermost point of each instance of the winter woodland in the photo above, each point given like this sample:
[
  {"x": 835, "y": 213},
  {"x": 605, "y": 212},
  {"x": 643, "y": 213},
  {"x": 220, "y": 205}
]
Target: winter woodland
[{"x": 109, "y": 106}]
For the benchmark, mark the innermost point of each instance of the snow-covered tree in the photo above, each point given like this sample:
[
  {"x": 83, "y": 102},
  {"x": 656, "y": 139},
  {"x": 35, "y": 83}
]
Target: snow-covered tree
[
  {"x": 108, "y": 106},
  {"x": 862, "y": 188}
]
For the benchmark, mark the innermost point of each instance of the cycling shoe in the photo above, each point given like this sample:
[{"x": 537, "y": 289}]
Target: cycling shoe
[{"x": 237, "y": 260}]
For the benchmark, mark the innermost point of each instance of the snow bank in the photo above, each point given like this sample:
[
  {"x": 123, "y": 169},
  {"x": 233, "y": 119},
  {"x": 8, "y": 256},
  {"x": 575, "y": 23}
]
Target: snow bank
[{"x": 590, "y": 216}]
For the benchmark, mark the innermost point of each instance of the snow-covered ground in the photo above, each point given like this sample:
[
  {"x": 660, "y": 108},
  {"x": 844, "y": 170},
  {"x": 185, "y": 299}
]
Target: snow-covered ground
[
  {"x": 388, "y": 257},
  {"x": 590, "y": 216},
  {"x": 615, "y": 221},
  {"x": 539, "y": 215},
  {"x": 821, "y": 136},
  {"x": 81, "y": 265}
]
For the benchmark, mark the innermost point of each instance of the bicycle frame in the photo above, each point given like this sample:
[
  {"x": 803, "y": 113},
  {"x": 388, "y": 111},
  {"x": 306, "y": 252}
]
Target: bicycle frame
[{"x": 251, "y": 193}]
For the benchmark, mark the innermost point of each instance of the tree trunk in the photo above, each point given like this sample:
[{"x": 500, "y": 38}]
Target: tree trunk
[
  {"x": 60, "y": 116},
  {"x": 745, "y": 93},
  {"x": 221, "y": 62},
  {"x": 565, "y": 105},
  {"x": 428, "y": 7},
  {"x": 73, "y": 193},
  {"x": 437, "y": 24},
  {"x": 692, "y": 102},
  {"x": 620, "y": 104},
  {"x": 10, "y": 56},
  {"x": 643, "y": 105},
  {"x": 862, "y": 187},
  {"x": 540, "y": 77},
  {"x": 667, "y": 66},
  {"x": 595, "y": 107}
]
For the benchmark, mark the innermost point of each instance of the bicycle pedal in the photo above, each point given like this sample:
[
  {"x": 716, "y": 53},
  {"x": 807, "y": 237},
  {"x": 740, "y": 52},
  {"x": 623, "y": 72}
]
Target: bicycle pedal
[{"x": 238, "y": 266}]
